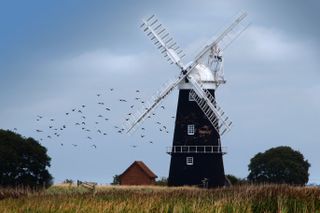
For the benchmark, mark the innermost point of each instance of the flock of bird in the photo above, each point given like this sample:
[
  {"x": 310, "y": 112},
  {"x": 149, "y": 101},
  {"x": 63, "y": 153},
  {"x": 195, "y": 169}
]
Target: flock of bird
[{"x": 80, "y": 118}]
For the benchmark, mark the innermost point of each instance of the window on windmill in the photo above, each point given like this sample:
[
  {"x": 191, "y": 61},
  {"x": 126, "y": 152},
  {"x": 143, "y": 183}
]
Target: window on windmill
[
  {"x": 190, "y": 129},
  {"x": 191, "y": 98},
  {"x": 189, "y": 161}
]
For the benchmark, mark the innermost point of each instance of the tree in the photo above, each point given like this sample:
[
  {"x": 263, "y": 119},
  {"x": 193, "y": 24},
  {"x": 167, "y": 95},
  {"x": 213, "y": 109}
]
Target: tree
[
  {"x": 68, "y": 181},
  {"x": 116, "y": 180},
  {"x": 163, "y": 181},
  {"x": 233, "y": 180},
  {"x": 23, "y": 161},
  {"x": 279, "y": 165}
]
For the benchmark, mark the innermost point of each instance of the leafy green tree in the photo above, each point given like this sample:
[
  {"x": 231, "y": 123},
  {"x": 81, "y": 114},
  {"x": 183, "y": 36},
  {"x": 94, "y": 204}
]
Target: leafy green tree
[
  {"x": 279, "y": 165},
  {"x": 68, "y": 181},
  {"x": 23, "y": 161},
  {"x": 233, "y": 180},
  {"x": 163, "y": 181},
  {"x": 116, "y": 180}
]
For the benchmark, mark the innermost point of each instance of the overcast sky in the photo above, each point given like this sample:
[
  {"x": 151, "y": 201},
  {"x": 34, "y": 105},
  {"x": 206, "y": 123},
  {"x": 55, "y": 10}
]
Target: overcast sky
[{"x": 57, "y": 55}]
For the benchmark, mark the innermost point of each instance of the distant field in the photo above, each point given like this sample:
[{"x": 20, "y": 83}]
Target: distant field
[{"x": 263, "y": 198}]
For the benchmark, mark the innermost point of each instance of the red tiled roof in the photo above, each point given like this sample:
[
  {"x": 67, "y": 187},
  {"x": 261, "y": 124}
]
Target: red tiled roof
[{"x": 143, "y": 167}]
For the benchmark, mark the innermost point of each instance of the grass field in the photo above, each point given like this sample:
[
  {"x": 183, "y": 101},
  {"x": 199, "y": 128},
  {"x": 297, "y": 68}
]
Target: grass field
[{"x": 250, "y": 198}]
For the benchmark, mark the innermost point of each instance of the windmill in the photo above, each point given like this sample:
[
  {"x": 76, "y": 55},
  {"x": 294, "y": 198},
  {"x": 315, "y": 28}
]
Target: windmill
[{"x": 196, "y": 154}]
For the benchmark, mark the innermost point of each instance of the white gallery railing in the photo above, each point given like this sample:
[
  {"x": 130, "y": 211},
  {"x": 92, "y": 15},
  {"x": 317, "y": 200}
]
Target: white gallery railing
[{"x": 196, "y": 149}]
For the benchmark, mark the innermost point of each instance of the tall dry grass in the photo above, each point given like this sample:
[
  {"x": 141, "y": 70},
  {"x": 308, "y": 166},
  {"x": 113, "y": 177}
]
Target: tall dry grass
[{"x": 249, "y": 198}]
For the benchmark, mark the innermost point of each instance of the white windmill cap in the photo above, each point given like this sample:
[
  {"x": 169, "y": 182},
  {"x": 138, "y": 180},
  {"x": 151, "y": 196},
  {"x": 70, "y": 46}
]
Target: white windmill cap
[{"x": 202, "y": 74}]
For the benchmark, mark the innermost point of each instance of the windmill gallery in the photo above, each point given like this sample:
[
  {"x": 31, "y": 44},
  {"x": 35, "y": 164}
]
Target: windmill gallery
[{"x": 196, "y": 152}]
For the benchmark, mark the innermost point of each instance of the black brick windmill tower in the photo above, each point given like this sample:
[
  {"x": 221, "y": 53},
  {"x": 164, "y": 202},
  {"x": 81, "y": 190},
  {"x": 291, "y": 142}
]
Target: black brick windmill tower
[{"x": 196, "y": 154}]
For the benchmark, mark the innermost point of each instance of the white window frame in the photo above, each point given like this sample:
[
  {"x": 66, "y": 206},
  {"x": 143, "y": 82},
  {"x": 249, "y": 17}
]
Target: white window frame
[
  {"x": 190, "y": 97},
  {"x": 190, "y": 129},
  {"x": 189, "y": 161}
]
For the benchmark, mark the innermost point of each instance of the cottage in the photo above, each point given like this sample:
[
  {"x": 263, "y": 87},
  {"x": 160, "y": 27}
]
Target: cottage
[{"x": 137, "y": 174}]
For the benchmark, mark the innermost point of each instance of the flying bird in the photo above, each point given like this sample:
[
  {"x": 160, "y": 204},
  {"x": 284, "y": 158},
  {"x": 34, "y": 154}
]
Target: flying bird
[
  {"x": 137, "y": 91},
  {"x": 38, "y": 130},
  {"x": 111, "y": 89},
  {"x": 162, "y": 107},
  {"x": 89, "y": 137},
  {"x": 108, "y": 109},
  {"x": 94, "y": 146},
  {"x": 122, "y": 100},
  {"x": 75, "y": 145}
]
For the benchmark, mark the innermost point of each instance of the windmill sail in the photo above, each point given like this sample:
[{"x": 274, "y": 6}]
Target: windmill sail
[
  {"x": 225, "y": 38},
  {"x": 163, "y": 41},
  {"x": 138, "y": 117},
  {"x": 208, "y": 105},
  {"x": 141, "y": 115}
]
